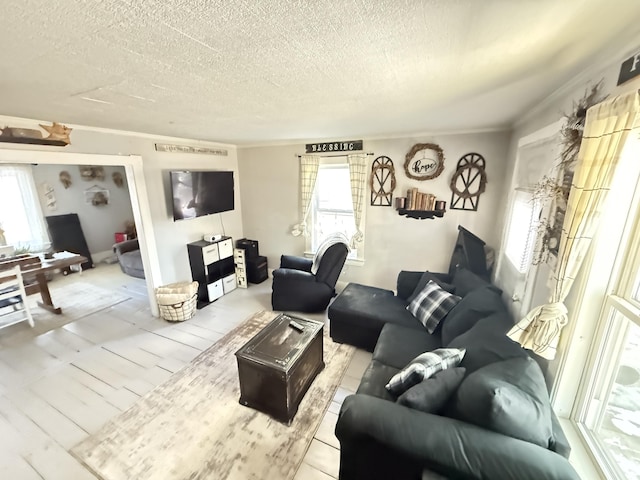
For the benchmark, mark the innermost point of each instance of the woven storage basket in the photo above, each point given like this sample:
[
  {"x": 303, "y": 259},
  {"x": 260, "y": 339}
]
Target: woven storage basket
[{"x": 177, "y": 301}]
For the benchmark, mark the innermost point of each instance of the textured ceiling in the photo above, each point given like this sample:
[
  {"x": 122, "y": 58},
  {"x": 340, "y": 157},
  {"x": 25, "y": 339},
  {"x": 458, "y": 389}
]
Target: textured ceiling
[{"x": 243, "y": 71}]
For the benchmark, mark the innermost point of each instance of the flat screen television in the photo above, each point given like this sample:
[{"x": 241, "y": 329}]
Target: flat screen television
[{"x": 198, "y": 193}]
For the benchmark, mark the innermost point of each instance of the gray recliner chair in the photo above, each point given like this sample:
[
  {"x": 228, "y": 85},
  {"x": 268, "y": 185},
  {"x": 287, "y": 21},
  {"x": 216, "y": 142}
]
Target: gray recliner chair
[{"x": 305, "y": 285}]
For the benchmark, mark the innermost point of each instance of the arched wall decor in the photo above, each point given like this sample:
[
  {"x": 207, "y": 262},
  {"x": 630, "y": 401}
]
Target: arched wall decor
[
  {"x": 468, "y": 182},
  {"x": 382, "y": 182}
]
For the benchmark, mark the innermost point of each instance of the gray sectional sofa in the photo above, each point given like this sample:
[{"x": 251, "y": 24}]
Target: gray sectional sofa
[{"x": 494, "y": 421}]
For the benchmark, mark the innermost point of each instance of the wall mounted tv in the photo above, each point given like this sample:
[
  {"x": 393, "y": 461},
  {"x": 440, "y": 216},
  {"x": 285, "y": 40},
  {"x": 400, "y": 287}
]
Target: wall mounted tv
[{"x": 198, "y": 193}]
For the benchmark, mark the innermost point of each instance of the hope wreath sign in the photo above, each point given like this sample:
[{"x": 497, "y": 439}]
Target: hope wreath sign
[{"x": 424, "y": 161}]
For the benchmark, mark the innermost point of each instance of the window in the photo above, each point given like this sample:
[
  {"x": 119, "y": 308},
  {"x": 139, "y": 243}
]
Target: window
[
  {"x": 611, "y": 417},
  {"x": 20, "y": 214},
  {"x": 332, "y": 205},
  {"x": 522, "y": 231},
  {"x": 607, "y": 409}
]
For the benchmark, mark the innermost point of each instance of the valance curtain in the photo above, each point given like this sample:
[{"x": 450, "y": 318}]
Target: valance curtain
[
  {"x": 606, "y": 130},
  {"x": 358, "y": 176},
  {"x": 308, "y": 175},
  {"x": 21, "y": 218}
]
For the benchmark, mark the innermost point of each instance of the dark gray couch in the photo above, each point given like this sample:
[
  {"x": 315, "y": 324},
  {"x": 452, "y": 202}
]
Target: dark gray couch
[
  {"x": 129, "y": 258},
  {"x": 382, "y": 439}
]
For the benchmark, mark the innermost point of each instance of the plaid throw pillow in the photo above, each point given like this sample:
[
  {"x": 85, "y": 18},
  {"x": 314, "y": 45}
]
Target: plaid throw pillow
[
  {"x": 424, "y": 366},
  {"x": 432, "y": 304}
]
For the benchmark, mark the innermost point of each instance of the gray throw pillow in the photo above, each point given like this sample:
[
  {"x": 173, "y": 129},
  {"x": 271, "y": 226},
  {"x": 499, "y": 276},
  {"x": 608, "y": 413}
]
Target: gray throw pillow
[
  {"x": 508, "y": 397},
  {"x": 422, "y": 367},
  {"x": 486, "y": 342},
  {"x": 431, "y": 305},
  {"x": 478, "y": 304},
  {"x": 431, "y": 395}
]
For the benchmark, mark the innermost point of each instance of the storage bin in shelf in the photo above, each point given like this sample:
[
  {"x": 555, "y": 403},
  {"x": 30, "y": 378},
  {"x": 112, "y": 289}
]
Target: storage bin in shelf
[{"x": 421, "y": 214}]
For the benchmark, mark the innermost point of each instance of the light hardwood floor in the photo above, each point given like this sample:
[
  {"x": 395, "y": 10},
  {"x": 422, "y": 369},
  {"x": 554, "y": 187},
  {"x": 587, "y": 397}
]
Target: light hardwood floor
[{"x": 59, "y": 387}]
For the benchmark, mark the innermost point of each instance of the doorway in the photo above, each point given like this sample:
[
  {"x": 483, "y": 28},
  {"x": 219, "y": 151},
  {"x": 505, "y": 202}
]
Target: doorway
[
  {"x": 522, "y": 277},
  {"x": 137, "y": 192}
]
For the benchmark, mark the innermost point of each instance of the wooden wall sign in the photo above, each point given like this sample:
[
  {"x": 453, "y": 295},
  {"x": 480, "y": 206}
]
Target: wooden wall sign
[
  {"x": 424, "y": 161},
  {"x": 349, "y": 146},
  {"x": 164, "y": 147},
  {"x": 629, "y": 69}
]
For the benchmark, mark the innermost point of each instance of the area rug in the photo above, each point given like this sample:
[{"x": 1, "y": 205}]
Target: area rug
[
  {"x": 77, "y": 300},
  {"x": 193, "y": 427}
]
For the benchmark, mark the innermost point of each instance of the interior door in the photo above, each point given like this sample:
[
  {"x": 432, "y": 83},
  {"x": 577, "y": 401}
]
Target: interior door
[{"x": 524, "y": 282}]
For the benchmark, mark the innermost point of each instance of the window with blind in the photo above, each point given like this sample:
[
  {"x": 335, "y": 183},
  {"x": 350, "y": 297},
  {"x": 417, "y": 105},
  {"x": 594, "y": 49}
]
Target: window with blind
[{"x": 521, "y": 234}]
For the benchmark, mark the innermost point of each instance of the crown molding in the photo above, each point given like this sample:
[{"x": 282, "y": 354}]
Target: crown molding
[{"x": 432, "y": 133}]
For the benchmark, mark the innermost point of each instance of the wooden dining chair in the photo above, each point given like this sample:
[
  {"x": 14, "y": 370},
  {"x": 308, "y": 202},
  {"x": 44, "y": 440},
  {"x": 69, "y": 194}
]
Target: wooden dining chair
[{"x": 13, "y": 298}]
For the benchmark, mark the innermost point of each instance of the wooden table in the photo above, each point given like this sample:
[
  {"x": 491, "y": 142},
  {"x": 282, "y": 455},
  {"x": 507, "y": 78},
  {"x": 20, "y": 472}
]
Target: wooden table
[
  {"x": 277, "y": 366},
  {"x": 34, "y": 270}
]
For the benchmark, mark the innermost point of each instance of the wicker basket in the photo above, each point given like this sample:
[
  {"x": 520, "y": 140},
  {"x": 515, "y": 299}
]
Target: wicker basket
[{"x": 177, "y": 301}]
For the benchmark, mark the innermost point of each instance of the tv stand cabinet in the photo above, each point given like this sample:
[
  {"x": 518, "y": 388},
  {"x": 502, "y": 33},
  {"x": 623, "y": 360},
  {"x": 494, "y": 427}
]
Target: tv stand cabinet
[{"x": 213, "y": 268}]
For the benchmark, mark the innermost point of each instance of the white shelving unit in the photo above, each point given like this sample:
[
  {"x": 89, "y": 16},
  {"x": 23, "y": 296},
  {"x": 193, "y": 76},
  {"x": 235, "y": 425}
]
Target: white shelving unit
[{"x": 241, "y": 267}]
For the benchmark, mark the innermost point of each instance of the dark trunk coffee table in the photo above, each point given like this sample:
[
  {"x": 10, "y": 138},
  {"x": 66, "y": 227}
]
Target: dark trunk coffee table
[{"x": 277, "y": 366}]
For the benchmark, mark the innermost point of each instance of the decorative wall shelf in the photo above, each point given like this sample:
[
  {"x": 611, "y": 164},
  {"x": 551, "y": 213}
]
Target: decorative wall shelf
[
  {"x": 33, "y": 141},
  {"x": 421, "y": 214}
]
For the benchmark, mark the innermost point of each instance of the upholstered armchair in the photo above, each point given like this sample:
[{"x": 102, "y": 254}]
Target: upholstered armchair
[{"x": 305, "y": 285}]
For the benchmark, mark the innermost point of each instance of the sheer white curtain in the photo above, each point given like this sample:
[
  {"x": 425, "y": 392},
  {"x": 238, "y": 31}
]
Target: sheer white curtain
[
  {"x": 21, "y": 216},
  {"x": 308, "y": 175},
  {"x": 606, "y": 130},
  {"x": 358, "y": 174}
]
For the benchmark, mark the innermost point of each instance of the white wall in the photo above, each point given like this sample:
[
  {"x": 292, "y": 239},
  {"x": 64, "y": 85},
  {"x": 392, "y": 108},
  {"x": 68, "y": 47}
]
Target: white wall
[
  {"x": 170, "y": 237},
  {"x": 270, "y": 198},
  {"x": 99, "y": 223}
]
